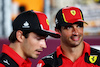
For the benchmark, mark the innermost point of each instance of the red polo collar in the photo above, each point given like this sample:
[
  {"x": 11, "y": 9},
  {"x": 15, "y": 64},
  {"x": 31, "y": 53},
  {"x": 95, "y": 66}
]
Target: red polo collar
[
  {"x": 86, "y": 49},
  {"x": 11, "y": 53}
]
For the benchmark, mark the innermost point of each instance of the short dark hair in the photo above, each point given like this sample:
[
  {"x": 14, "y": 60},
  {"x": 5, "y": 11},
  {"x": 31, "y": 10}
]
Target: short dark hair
[
  {"x": 59, "y": 27},
  {"x": 12, "y": 37}
]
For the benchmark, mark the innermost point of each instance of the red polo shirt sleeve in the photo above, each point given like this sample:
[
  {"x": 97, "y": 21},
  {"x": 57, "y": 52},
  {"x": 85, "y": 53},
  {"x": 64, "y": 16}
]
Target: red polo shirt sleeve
[
  {"x": 40, "y": 63},
  {"x": 1, "y": 65}
]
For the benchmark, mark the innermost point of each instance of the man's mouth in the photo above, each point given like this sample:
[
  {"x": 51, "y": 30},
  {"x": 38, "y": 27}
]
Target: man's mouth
[
  {"x": 39, "y": 51},
  {"x": 75, "y": 38}
]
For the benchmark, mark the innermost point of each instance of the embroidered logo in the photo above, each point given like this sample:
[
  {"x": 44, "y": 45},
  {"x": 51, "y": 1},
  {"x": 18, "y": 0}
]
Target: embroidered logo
[
  {"x": 49, "y": 56},
  {"x": 56, "y": 21},
  {"x": 6, "y": 61},
  {"x": 26, "y": 25},
  {"x": 39, "y": 65},
  {"x": 73, "y": 12},
  {"x": 93, "y": 58},
  {"x": 47, "y": 21}
]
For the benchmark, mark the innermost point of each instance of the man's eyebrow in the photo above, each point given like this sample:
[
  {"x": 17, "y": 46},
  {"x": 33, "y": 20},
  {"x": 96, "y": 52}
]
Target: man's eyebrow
[{"x": 41, "y": 36}]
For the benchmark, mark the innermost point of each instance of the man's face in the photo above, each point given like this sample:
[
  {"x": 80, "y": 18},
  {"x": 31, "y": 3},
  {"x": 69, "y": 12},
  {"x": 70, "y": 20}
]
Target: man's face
[
  {"x": 33, "y": 45},
  {"x": 72, "y": 35}
]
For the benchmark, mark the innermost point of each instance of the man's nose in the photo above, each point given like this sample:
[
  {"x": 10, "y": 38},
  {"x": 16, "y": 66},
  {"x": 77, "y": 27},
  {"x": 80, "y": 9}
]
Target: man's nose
[
  {"x": 75, "y": 31},
  {"x": 43, "y": 43}
]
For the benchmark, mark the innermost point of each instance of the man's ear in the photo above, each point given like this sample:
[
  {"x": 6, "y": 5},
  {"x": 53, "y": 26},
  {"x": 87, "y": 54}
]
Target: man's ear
[
  {"x": 19, "y": 36},
  {"x": 57, "y": 30}
]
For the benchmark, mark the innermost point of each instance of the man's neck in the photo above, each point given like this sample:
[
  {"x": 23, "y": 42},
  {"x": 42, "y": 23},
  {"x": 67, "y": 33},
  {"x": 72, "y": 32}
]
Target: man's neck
[
  {"x": 17, "y": 48},
  {"x": 73, "y": 53}
]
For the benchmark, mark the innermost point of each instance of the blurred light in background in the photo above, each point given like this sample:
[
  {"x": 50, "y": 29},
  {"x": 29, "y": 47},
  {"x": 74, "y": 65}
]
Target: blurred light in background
[
  {"x": 9, "y": 9},
  {"x": 24, "y": 5},
  {"x": 37, "y": 5}
]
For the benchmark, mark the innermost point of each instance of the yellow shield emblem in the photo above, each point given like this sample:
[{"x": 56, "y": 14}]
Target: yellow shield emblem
[
  {"x": 73, "y": 12},
  {"x": 47, "y": 21},
  {"x": 93, "y": 58}
]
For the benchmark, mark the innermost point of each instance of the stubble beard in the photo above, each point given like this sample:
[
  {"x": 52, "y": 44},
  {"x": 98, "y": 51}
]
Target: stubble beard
[{"x": 73, "y": 43}]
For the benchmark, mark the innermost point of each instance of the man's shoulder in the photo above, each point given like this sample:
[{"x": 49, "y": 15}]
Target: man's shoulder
[
  {"x": 94, "y": 57},
  {"x": 50, "y": 56},
  {"x": 49, "y": 60},
  {"x": 52, "y": 60},
  {"x": 94, "y": 51},
  {"x": 7, "y": 61}
]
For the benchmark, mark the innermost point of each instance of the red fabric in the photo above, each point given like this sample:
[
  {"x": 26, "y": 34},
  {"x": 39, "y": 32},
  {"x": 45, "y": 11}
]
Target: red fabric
[
  {"x": 40, "y": 63},
  {"x": 19, "y": 60},
  {"x": 43, "y": 20},
  {"x": 1, "y": 65},
  {"x": 72, "y": 14}
]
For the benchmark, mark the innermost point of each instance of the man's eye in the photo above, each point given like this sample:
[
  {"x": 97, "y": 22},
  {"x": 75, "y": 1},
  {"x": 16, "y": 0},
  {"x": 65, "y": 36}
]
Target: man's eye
[
  {"x": 81, "y": 25},
  {"x": 38, "y": 38},
  {"x": 68, "y": 27}
]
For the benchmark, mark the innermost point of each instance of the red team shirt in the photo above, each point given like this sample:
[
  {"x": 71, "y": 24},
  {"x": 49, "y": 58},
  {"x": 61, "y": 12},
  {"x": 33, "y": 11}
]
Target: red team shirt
[
  {"x": 19, "y": 60},
  {"x": 66, "y": 62}
]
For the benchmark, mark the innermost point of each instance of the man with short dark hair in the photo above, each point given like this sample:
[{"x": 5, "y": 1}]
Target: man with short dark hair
[
  {"x": 27, "y": 40},
  {"x": 73, "y": 51}
]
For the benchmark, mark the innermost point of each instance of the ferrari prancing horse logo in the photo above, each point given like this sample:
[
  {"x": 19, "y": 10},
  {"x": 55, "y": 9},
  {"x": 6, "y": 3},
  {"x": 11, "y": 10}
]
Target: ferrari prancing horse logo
[
  {"x": 73, "y": 12},
  {"x": 93, "y": 58}
]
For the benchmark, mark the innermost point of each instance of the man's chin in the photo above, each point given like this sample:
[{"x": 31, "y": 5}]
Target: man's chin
[
  {"x": 75, "y": 44},
  {"x": 35, "y": 57}
]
